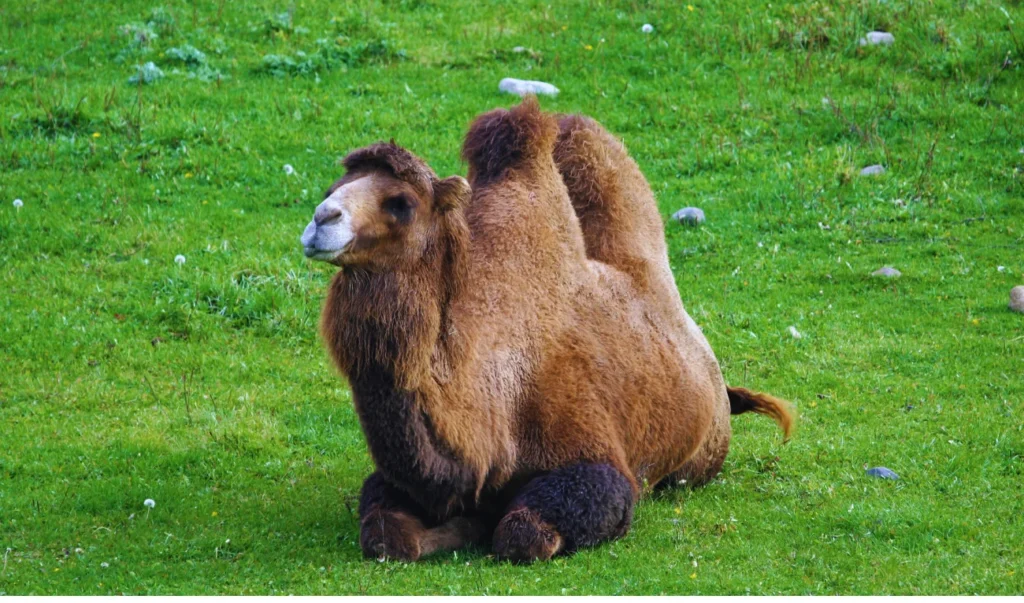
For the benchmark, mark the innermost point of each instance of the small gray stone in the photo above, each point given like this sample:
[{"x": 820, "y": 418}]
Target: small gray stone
[
  {"x": 872, "y": 170},
  {"x": 1017, "y": 299},
  {"x": 689, "y": 215},
  {"x": 882, "y": 472},
  {"x": 874, "y": 38},
  {"x": 887, "y": 272},
  {"x": 524, "y": 87}
]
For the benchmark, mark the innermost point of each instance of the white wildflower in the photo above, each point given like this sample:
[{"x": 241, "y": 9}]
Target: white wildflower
[
  {"x": 149, "y": 502},
  {"x": 17, "y": 204},
  {"x": 288, "y": 169},
  {"x": 179, "y": 259},
  {"x": 647, "y": 28}
]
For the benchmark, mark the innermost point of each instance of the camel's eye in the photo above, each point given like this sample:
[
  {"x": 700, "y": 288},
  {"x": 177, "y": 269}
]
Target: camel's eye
[{"x": 399, "y": 206}]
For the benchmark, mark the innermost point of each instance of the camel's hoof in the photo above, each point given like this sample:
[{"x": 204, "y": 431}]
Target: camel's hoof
[
  {"x": 522, "y": 537},
  {"x": 391, "y": 535}
]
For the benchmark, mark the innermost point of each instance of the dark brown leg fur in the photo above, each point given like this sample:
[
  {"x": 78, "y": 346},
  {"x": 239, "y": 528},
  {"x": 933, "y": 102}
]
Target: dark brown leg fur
[
  {"x": 571, "y": 507},
  {"x": 522, "y": 536},
  {"x": 391, "y": 525}
]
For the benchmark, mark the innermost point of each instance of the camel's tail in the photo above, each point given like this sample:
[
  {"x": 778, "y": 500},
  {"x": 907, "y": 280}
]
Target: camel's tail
[{"x": 743, "y": 400}]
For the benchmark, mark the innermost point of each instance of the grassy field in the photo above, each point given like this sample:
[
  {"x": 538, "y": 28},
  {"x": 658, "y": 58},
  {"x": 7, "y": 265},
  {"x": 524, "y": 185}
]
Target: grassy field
[{"x": 203, "y": 386}]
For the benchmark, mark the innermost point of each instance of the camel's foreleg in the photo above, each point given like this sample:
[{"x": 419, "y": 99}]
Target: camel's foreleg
[
  {"x": 571, "y": 507},
  {"x": 392, "y": 525}
]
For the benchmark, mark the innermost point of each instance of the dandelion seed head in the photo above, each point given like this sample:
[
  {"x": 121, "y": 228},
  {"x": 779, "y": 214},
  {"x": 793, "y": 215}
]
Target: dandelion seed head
[
  {"x": 647, "y": 28},
  {"x": 179, "y": 259},
  {"x": 17, "y": 203},
  {"x": 149, "y": 502},
  {"x": 288, "y": 169}
]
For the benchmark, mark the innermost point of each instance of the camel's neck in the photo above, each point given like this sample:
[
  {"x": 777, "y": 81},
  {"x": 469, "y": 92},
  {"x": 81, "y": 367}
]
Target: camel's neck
[
  {"x": 391, "y": 333},
  {"x": 387, "y": 322},
  {"x": 400, "y": 320}
]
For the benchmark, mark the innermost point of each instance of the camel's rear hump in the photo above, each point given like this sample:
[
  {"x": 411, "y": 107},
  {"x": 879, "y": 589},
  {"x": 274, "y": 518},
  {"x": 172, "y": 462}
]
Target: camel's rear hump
[{"x": 614, "y": 203}]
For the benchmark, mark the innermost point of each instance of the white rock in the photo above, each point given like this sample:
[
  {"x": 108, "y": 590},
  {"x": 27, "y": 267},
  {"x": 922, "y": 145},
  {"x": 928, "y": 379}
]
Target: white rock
[
  {"x": 524, "y": 87},
  {"x": 796, "y": 334},
  {"x": 647, "y": 28},
  {"x": 874, "y": 38},
  {"x": 872, "y": 170},
  {"x": 179, "y": 260},
  {"x": 887, "y": 272},
  {"x": 689, "y": 215},
  {"x": 17, "y": 204},
  {"x": 1017, "y": 299}
]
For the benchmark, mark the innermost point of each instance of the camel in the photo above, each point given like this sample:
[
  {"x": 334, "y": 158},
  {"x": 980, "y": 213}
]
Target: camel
[{"x": 520, "y": 361}]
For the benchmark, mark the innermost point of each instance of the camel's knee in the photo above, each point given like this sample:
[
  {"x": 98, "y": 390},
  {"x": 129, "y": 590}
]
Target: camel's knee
[
  {"x": 566, "y": 509},
  {"x": 391, "y": 535},
  {"x": 523, "y": 537}
]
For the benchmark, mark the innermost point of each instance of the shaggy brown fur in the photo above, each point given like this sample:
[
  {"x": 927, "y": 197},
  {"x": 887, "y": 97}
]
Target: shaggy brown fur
[{"x": 520, "y": 361}]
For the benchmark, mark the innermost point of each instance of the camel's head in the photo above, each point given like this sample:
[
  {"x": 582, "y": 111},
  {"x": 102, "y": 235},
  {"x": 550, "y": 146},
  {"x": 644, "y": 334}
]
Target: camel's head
[{"x": 383, "y": 212}]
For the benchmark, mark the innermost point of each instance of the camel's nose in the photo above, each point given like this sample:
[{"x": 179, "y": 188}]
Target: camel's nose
[
  {"x": 308, "y": 236},
  {"x": 327, "y": 211},
  {"x": 330, "y": 231}
]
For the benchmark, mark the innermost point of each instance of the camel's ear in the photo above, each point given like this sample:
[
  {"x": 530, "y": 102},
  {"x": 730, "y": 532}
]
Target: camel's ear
[{"x": 451, "y": 193}]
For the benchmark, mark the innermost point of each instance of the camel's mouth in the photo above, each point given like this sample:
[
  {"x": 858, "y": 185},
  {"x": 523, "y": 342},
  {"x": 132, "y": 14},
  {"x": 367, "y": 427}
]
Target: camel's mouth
[
  {"x": 322, "y": 256},
  {"x": 334, "y": 256},
  {"x": 327, "y": 241}
]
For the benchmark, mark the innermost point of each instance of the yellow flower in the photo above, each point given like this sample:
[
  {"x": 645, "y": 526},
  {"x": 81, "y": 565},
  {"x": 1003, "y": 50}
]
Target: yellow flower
[
  {"x": 188, "y": 174},
  {"x": 565, "y": 27},
  {"x": 214, "y": 514},
  {"x": 678, "y": 510},
  {"x": 693, "y": 576},
  {"x": 689, "y": 7},
  {"x": 588, "y": 47},
  {"x": 95, "y": 134}
]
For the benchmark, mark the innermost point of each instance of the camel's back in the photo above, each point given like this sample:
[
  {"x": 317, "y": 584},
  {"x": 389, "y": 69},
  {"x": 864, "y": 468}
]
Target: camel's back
[
  {"x": 580, "y": 329},
  {"x": 670, "y": 382}
]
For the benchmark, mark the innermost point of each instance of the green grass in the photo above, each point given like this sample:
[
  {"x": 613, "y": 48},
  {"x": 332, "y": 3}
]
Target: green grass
[{"x": 204, "y": 386}]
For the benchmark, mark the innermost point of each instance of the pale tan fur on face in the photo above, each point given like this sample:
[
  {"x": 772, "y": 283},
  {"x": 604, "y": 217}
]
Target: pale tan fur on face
[{"x": 352, "y": 227}]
